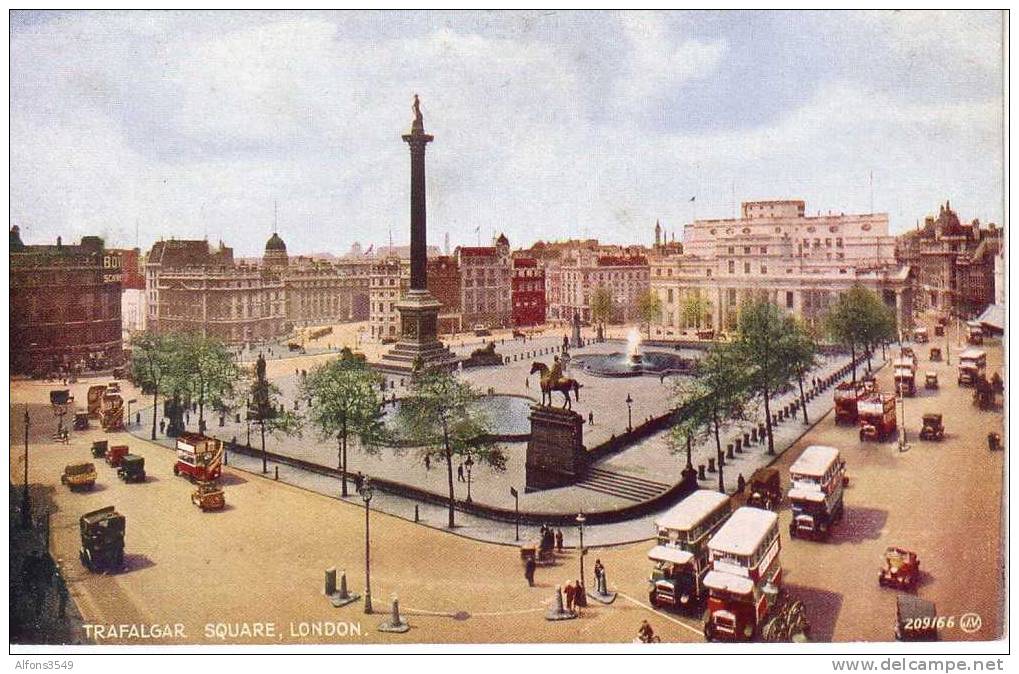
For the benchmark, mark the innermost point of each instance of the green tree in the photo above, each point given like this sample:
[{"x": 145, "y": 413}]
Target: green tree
[
  {"x": 762, "y": 332},
  {"x": 211, "y": 372},
  {"x": 649, "y": 308},
  {"x": 879, "y": 326},
  {"x": 154, "y": 360},
  {"x": 265, "y": 410},
  {"x": 601, "y": 305},
  {"x": 696, "y": 310},
  {"x": 348, "y": 403},
  {"x": 799, "y": 352},
  {"x": 720, "y": 391},
  {"x": 442, "y": 416},
  {"x": 858, "y": 320}
]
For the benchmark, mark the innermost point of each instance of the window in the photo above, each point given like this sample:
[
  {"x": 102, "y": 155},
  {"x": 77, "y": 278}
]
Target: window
[
  {"x": 746, "y": 230},
  {"x": 789, "y": 299},
  {"x": 732, "y": 296},
  {"x": 827, "y": 243},
  {"x": 764, "y": 269},
  {"x": 708, "y": 271},
  {"x": 732, "y": 250},
  {"x": 746, "y": 267},
  {"x": 670, "y": 295},
  {"x": 746, "y": 250},
  {"x": 838, "y": 242},
  {"x": 764, "y": 250},
  {"x": 732, "y": 267}
]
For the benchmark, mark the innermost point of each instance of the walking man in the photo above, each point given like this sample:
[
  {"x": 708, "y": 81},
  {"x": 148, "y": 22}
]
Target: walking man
[
  {"x": 529, "y": 567},
  {"x": 460, "y": 473},
  {"x": 590, "y": 417},
  {"x": 559, "y": 540}
]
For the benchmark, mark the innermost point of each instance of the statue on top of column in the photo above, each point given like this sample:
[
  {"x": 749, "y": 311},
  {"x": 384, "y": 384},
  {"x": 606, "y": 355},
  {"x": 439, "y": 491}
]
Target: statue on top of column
[{"x": 419, "y": 121}]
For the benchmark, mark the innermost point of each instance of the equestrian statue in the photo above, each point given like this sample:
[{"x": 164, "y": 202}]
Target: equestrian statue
[{"x": 553, "y": 380}]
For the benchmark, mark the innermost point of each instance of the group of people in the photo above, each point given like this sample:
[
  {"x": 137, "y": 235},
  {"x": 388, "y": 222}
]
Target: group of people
[{"x": 551, "y": 538}]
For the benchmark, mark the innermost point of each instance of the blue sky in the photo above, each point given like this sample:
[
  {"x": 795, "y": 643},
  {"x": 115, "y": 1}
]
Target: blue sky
[{"x": 547, "y": 124}]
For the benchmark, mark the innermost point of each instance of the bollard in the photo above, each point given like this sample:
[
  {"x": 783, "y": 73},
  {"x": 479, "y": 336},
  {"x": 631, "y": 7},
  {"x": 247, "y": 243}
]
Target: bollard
[
  {"x": 729, "y": 451},
  {"x": 739, "y": 445},
  {"x": 556, "y": 611},
  {"x": 237, "y": 418},
  {"x": 330, "y": 582},
  {"x": 417, "y": 517},
  {"x": 395, "y": 623},
  {"x": 711, "y": 465},
  {"x": 700, "y": 472},
  {"x": 746, "y": 439},
  {"x": 344, "y": 594},
  {"x": 277, "y": 473},
  {"x": 753, "y": 435},
  {"x": 340, "y": 597}
]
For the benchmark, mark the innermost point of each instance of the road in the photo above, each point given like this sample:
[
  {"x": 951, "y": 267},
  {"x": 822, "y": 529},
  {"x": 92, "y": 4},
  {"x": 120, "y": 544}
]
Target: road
[{"x": 262, "y": 560}]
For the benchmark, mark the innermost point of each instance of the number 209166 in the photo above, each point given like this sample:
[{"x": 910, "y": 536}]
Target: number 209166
[{"x": 939, "y": 622}]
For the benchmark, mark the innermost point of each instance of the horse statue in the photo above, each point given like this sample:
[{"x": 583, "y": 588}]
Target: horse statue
[{"x": 563, "y": 384}]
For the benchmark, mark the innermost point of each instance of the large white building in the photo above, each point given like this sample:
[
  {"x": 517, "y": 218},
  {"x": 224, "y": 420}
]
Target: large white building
[{"x": 776, "y": 251}]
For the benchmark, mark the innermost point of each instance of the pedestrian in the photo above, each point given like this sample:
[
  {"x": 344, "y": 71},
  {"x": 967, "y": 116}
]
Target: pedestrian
[
  {"x": 162, "y": 425},
  {"x": 187, "y": 419},
  {"x": 460, "y": 473},
  {"x": 590, "y": 417},
  {"x": 358, "y": 481},
  {"x": 599, "y": 571},
  {"x": 570, "y": 594},
  {"x": 428, "y": 462},
  {"x": 741, "y": 484},
  {"x": 137, "y": 418},
  {"x": 529, "y": 567},
  {"x": 527, "y": 382},
  {"x": 559, "y": 540}
]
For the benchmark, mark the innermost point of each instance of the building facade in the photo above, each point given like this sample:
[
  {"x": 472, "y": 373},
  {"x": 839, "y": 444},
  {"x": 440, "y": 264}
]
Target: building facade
[
  {"x": 444, "y": 284},
  {"x": 626, "y": 276},
  {"x": 323, "y": 292},
  {"x": 954, "y": 263},
  {"x": 65, "y": 306},
  {"x": 192, "y": 287},
  {"x": 132, "y": 297},
  {"x": 486, "y": 279},
  {"x": 528, "y": 292},
  {"x": 778, "y": 253},
  {"x": 389, "y": 279}
]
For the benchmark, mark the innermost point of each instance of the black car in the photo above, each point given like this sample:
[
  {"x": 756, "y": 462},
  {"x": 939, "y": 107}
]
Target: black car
[
  {"x": 132, "y": 468},
  {"x": 102, "y": 539}
]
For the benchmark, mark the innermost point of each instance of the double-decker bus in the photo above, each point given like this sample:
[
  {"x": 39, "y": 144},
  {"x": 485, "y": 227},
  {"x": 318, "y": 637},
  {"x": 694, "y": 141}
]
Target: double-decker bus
[
  {"x": 199, "y": 458},
  {"x": 681, "y": 556},
  {"x": 817, "y": 480},
  {"x": 745, "y": 575}
]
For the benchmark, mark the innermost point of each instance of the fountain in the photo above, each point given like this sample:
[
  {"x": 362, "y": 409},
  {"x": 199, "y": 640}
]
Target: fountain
[{"x": 633, "y": 356}]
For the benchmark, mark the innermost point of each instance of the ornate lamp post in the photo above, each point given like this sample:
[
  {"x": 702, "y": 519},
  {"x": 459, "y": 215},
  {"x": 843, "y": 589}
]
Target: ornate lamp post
[
  {"x": 247, "y": 419},
  {"x": 469, "y": 464},
  {"x": 629, "y": 413},
  {"x": 366, "y": 495},
  {"x": 516, "y": 510},
  {"x": 903, "y": 446},
  {"x": 580, "y": 522}
]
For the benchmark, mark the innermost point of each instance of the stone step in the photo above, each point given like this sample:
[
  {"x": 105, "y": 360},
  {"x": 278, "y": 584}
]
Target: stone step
[
  {"x": 610, "y": 492},
  {"x": 623, "y": 486},
  {"x": 625, "y": 477}
]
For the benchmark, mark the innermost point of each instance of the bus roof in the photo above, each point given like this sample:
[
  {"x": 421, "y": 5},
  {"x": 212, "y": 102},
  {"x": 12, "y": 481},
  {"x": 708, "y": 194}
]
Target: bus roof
[
  {"x": 727, "y": 582},
  {"x": 744, "y": 531},
  {"x": 972, "y": 354},
  {"x": 664, "y": 553},
  {"x": 812, "y": 495},
  {"x": 815, "y": 461},
  {"x": 689, "y": 512}
]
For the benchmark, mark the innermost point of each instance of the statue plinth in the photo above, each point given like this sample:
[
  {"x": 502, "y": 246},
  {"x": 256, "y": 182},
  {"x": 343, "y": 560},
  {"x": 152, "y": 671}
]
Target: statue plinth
[
  {"x": 555, "y": 450},
  {"x": 419, "y": 313}
]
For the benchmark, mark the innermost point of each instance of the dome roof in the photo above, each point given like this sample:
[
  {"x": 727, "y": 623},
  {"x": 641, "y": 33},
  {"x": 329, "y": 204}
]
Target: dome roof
[{"x": 275, "y": 243}]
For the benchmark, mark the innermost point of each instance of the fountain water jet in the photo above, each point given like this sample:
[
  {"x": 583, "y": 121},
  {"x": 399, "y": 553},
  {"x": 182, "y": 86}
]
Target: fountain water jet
[{"x": 633, "y": 356}]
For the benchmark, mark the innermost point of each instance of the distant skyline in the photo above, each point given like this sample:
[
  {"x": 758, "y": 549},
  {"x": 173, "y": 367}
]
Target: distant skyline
[{"x": 548, "y": 125}]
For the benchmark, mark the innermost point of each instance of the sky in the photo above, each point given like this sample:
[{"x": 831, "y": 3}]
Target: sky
[{"x": 547, "y": 124}]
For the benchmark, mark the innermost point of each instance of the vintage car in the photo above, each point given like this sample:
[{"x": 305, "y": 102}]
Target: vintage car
[
  {"x": 935, "y": 354},
  {"x": 764, "y": 490},
  {"x": 905, "y": 376},
  {"x": 518, "y": 334},
  {"x": 901, "y": 569},
  {"x": 81, "y": 421},
  {"x": 930, "y": 380},
  {"x": 705, "y": 334},
  {"x": 920, "y": 336},
  {"x": 933, "y": 428},
  {"x": 974, "y": 333},
  {"x": 79, "y": 476},
  {"x": 208, "y": 496},
  {"x": 99, "y": 448},
  {"x": 115, "y": 454},
  {"x": 132, "y": 468},
  {"x": 939, "y": 330},
  {"x": 972, "y": 366},
  {"x": 915, "y": 619},
  {"x": 102, "y": 539}
]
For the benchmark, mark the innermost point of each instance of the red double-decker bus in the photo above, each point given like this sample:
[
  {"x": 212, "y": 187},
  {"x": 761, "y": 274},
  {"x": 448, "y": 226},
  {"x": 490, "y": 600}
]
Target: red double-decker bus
[{"x": 199, "y": 458}]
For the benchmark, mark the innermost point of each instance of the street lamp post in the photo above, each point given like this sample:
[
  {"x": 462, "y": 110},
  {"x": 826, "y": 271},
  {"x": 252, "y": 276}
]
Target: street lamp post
[
  {"x": 516, "y": 510},
  {"x": 580, "y": 522},
  {"x": 469, "y": 464},
  {"x": 366, "y": 495},
  {"x": 26, "y": 503},
  {"x": 629, "y": 414},
  {"x": 903, "y": 446}
]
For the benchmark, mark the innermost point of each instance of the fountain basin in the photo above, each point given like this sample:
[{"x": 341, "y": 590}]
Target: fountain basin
[
  {"x": 507, "y": 416},
  {"x": 618, "y": 364}
]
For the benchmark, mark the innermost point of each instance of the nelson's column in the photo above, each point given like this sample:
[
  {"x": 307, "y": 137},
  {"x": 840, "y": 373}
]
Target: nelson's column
[{"x": 419, "y": 311}]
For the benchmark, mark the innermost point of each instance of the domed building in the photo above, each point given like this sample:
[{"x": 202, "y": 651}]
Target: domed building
[{"x": 275, "y": 252}]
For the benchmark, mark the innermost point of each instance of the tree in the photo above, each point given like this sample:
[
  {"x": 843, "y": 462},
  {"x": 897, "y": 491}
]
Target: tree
[
  {"x": 856, "y": 320},
  {"x": 649, "y": 308},
  {"x": 696, "y": 309},
  {"x": 267, "y": 413},
  {"x": 211, "y": 372},
  {"x": 718, "y": 392},
  {"x": 153, "y": 364},
  {"x": 442, "y": 416},
  {"x": 347, "y": 402},
  {"x": 879, "y": 325},
  {"x": 799, "y": 352},
  {"x": 601, "y": 305},
  {"x": 761, "y": 334}
]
